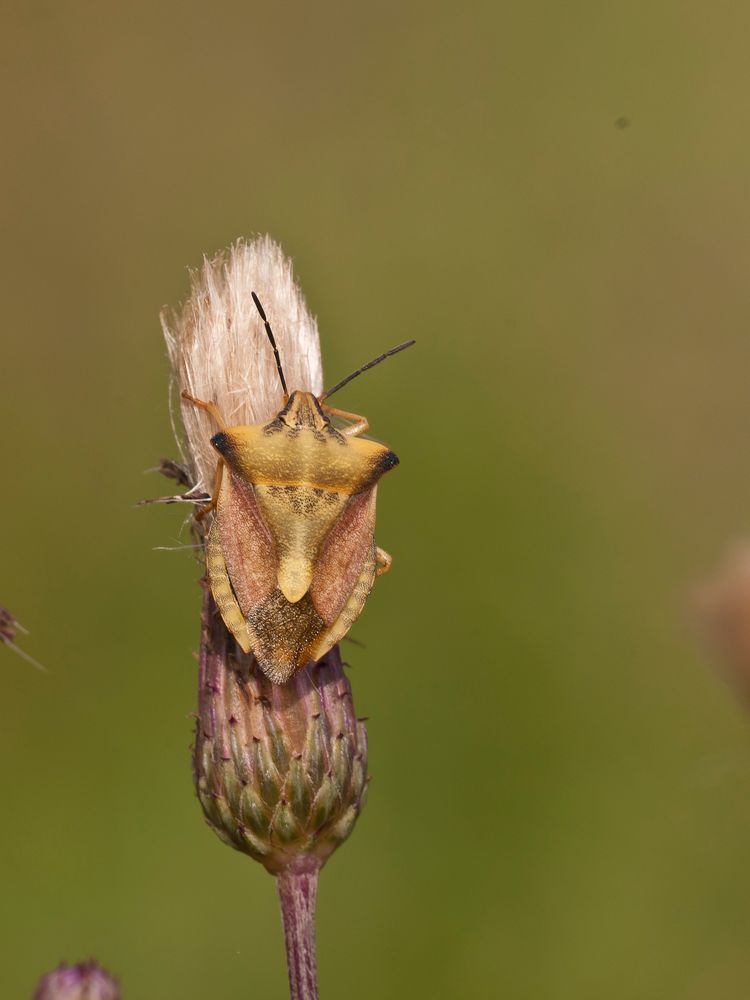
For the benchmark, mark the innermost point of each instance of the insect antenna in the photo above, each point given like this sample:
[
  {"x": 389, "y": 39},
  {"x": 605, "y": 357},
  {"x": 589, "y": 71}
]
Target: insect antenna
[
  {"x": 370, "y": 364},
  {"x": 269, "y": 333}
]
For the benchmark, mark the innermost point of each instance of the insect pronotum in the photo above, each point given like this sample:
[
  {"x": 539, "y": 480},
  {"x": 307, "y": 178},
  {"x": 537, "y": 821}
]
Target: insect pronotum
[{"x": 290, "y": 553}]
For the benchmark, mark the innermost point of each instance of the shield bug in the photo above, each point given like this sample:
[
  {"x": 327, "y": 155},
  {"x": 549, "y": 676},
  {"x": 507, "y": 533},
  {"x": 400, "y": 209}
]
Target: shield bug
[{"x": 290, "y": 553}]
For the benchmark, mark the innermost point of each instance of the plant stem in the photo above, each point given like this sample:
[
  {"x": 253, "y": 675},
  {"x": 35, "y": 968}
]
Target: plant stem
[{"x": 298, "y": 891}]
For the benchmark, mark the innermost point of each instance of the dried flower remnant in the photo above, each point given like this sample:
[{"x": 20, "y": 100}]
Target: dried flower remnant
[
  {"x": 9, "y": 629},
  {"x": 8, "y": 625},
  {"x": 173, "y": 470},
  {"x": 722, "y": 607},
  {"x": 280, "y": 769},
  {"x": 86, "y": 981}
]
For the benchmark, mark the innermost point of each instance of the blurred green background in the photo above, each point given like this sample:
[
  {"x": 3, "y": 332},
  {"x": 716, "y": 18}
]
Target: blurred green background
[{"x": 554, "y": 200}]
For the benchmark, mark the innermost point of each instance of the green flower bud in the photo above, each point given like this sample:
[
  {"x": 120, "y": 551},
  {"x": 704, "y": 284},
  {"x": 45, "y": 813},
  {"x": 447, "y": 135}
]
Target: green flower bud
[
  {"x": 87, "y": 981},
  {"x": 280, "y": 769}
]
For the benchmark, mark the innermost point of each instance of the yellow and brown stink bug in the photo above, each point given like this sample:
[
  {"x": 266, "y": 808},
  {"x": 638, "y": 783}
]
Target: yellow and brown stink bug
[{"x": 290, "y": 555}]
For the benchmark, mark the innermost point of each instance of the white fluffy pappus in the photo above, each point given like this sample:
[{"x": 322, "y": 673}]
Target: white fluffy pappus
[{"x": 219, "y": 349}]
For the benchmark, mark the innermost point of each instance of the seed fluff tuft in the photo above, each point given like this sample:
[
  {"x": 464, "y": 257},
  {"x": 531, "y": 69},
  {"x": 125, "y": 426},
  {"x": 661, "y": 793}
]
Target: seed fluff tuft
[{"x": 219, "y": 349}]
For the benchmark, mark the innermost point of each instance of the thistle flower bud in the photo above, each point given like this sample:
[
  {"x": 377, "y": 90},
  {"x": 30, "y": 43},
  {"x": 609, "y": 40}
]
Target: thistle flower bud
[
  {"x": 280, "y": 769},
  {"x": 87, "y": 981}
]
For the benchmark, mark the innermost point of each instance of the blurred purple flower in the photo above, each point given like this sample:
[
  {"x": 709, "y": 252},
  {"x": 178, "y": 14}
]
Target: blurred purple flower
[
  {"x": 722, "y": 607},
  {"x": 86, "y": 981}
]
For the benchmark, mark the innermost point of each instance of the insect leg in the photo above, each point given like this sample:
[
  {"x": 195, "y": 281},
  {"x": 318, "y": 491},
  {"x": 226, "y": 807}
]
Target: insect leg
[
  {"x": 208, "y": 407},
  {"x": 215, "y": 495},
  {"x": 384, "y": 561},
  {"x": 359, "y": 426}
]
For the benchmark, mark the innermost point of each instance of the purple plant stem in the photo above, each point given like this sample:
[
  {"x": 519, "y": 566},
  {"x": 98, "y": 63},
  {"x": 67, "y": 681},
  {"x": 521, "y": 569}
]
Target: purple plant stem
[{"x": 298, "y": 891}]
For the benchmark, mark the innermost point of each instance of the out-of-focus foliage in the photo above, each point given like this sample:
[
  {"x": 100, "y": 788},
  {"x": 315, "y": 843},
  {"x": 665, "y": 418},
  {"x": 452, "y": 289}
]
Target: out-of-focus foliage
[{"x": 553, "y": 200}]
